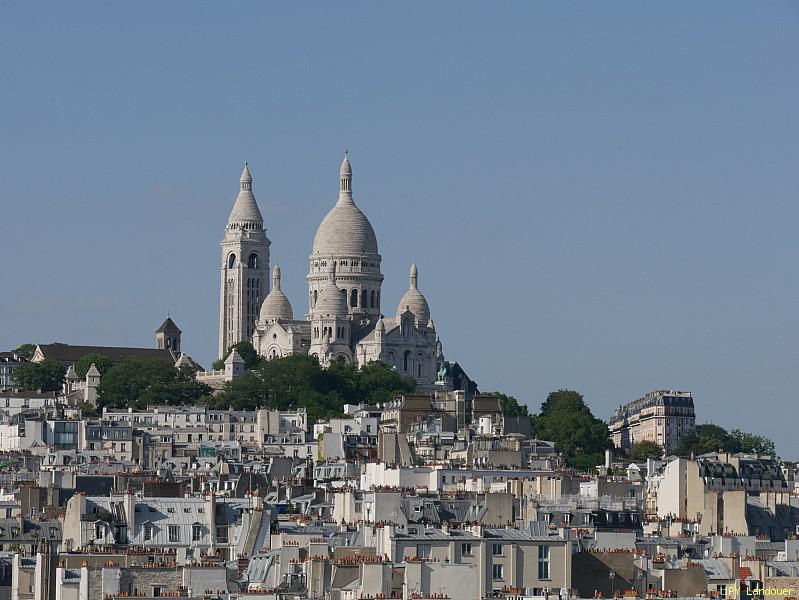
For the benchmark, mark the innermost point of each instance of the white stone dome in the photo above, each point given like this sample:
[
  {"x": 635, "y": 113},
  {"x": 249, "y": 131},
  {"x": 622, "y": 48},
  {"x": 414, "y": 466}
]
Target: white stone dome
[
  {"x": 345, "y": 230},
  {"x": 414, "y": 300},
  {"x": 276, "y": 304},
  {"x": 331, "y": 301}
]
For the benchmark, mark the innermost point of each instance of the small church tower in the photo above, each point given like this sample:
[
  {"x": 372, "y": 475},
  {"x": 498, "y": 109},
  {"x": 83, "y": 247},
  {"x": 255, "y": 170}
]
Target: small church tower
[
  {"x": 167, "y": 337},
  {"x": 330, "y": 323},
  {"x": 244, "y": 279}
]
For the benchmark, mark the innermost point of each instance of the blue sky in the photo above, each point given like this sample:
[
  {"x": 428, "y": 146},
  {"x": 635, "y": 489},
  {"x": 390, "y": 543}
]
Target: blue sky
[{"x": 599, "y": 196}]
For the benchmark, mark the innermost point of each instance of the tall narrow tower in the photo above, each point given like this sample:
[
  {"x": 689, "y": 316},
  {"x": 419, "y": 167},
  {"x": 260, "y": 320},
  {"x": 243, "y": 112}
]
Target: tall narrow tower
[{"x": 245, "y": 268}]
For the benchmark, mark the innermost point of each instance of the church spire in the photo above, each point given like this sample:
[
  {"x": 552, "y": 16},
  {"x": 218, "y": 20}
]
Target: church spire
[
  {"x": 245, "y": 213},
  {"x": 276, "y": 277},
  {"x": 414, "y": 276}
]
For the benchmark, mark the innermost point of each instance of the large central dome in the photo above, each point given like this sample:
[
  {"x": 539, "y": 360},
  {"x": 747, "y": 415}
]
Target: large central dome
[{"x": 345, "y": 230}]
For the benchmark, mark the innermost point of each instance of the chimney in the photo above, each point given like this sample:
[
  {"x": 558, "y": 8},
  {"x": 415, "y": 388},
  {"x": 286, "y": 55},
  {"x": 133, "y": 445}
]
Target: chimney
[
  {"x": 210, "y": 509},
  {"x": 129, "y": 505}
]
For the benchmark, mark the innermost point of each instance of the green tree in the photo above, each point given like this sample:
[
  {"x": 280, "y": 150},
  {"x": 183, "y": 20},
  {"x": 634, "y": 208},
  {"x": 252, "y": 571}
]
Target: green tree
[
  {"x": 243, "y": 393},
  {"x": 298, "y": 381},
  {"x": 510, "y": 406},
  {"x": 138, "y": 382},
  {"x": 712, "y": 438},
  {"x": 26, "y": 351},
  {"x": 751, "y": 443},
  {"x": 47, "y": 376},
  {"x": 566, "y": 420},
  {"x": 247, "y": 352},
  {"x": 379, "y": 383},
  {"x": 688, "y": 443},
  {"x": 644, "y": 450},
  {"x": 88, "y": 410},
  {"x": 100, "y": 361}
]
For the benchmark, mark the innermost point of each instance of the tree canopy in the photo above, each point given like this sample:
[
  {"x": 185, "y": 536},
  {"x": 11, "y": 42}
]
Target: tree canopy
[
  {"x": 566, "y": 420},
  {"x": 510, "y": 406},
  {"x": 47, "y": 376},
  {"x": 26, "y": 351},
  {"x": 645, "y": 449},
  {"x": 138, "y": 382},
  {"x": 102, "y": 363},
  {"x": 299, "y": 381},
  {"x": 712, "y": 438}
]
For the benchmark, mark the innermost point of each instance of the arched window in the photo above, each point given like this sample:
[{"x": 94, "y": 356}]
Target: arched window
[
  {"x": 231, "y": 261},
  {"x": 315, "y": 296},
  {"x": 354, "y": 298},
  {"x": 252, "y": 261},
  {"x": 365, "y": 299},
  {"x": 378, "y": 300},
  {"x": 372, "y": 304},
  {"x": 406, "y": 358},
  {"x": 419, "y": 369}
]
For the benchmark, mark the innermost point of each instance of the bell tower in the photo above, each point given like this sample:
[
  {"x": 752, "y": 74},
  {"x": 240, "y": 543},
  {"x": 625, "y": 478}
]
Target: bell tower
[
  {"x": 167, "y": 337},
  {"x": 244, "y": 281}
]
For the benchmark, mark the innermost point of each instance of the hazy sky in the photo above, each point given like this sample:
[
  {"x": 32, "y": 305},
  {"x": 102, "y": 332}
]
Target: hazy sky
[{"x": 599, "y": 196}]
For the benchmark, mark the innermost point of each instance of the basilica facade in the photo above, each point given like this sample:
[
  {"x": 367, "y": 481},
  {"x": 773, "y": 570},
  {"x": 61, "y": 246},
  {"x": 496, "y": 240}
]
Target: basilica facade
[{"x": 345, "y": 319}]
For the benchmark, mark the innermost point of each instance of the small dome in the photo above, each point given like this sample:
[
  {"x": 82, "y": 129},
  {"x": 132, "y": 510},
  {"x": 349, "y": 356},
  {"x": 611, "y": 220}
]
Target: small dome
[
  {"x": 276, "y": 304},
  {"x": 414, "y": 301},
  {"x": 331, "y": 301}
]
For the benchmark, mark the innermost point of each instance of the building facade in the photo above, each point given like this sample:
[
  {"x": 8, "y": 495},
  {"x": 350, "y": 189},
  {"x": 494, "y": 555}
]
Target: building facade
[
  {"x": 9, "y": 361},
  {"x": 662, "y": 416}
]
